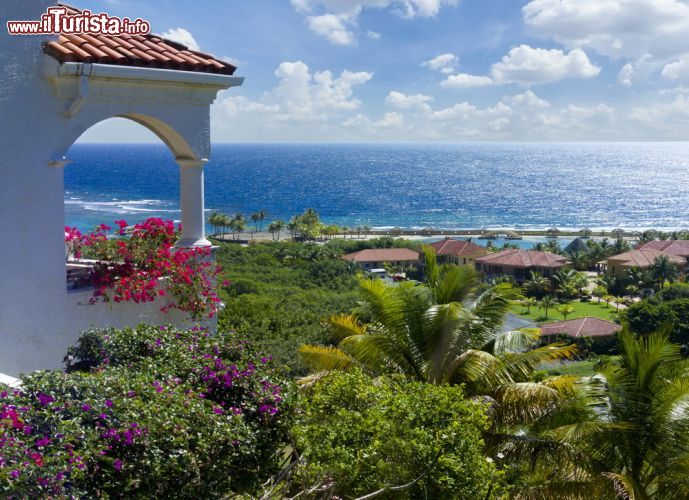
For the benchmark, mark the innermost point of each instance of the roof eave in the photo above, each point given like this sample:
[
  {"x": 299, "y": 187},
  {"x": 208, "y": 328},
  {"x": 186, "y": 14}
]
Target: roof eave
[{"x": 96, "y": 70}]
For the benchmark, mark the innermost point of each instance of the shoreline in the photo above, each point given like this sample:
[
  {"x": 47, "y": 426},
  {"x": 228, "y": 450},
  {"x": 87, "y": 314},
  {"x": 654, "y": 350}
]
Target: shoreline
[{"x": 421, "y": 234}]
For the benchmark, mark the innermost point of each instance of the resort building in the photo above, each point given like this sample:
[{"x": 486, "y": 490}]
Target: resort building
[
  {"x": 460, "y": 252},
  {"x": 679, "y": 248},
  {"x": 55, "y": 87},
  {"x": 520, "y": 263},
  {"x": 617, "y": 265},
  {"x": 377, "y": 258},
  {"x": 580, "y": 328}
]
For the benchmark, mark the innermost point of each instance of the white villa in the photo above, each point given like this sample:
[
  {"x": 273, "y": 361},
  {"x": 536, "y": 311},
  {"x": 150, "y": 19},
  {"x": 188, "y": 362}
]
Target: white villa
[{"x": 52, "y": 89}]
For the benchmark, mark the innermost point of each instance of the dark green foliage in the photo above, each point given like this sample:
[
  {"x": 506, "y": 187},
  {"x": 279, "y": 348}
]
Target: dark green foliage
[
  {"x": 672, "y": 292},
  {"x": 280, "y": 294},
  {"x": 365, "y": 436},
  {"x": 650, "y": 315},
  {"x": 344, "y": 246},
  {"x": 147, "y": 413}
]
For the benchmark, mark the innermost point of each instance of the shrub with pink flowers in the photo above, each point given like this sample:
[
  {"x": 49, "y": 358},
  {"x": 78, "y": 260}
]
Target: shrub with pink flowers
[
  {"x": 140, "y": 264},
  {"x": 149, "y": 412}
]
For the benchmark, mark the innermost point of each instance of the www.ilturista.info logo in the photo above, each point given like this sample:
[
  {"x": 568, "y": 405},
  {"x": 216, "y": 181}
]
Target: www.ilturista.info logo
[{"x": 57, "y": 20}]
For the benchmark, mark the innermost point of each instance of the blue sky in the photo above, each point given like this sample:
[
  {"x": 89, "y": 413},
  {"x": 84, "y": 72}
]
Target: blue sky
[{"x": 434, "y": 70}]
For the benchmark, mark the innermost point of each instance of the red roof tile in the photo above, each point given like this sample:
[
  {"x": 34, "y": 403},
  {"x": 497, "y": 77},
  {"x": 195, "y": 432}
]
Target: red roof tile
[
  {"x": 679, "y": 248},
  {"x": 133, "y": 50},
  {"x": 459, "y": 248},
  {"x": 383, "y": 255},
  {"x": 582, "y": 327},
  {"x": 645, "y": 257},
  {"x": 524, "y": 259}
]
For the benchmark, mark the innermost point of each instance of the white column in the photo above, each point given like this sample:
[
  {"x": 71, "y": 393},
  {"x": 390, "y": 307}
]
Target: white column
[{"x": 191, "y": 201}]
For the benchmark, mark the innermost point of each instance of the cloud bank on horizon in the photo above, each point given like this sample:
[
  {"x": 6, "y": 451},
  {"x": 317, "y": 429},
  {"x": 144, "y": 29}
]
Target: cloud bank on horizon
[{"x": 441, "y": 70}]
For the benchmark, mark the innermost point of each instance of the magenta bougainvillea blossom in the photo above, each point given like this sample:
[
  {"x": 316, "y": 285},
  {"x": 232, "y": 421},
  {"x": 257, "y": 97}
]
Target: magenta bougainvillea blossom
[{"x": 140, "y": 264}]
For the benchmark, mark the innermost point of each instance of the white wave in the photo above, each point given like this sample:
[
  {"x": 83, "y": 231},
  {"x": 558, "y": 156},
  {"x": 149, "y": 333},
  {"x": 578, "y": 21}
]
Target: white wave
[{"x": 123, "y": 206}]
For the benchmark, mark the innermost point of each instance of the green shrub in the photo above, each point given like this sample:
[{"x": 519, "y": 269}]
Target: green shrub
[
  {"x": 297, "y": 286},
  {"x": 364, "y": 435},
  {"x": 150, "y": 412}
]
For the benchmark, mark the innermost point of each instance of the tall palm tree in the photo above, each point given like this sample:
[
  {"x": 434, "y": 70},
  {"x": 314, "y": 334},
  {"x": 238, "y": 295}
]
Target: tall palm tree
[
  {"x": 623, "y": 434},
  {"x": 446, "y": 331},
  {"x": 663, "y": 270},
  {"x": 261, "y": 217},
  {"x": 237, "y": 225},
  {"x": 546, "y": 303},
  {"x": 215, "y": 219},
  {"x": 276, "y": 228}
]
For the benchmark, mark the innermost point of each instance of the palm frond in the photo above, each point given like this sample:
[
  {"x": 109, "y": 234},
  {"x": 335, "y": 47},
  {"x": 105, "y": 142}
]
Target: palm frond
[
  {"x": 381, "y": 354},
  {"x": 514, "y": 341},
  {"x": 343, "y": 325},
  {"x": 324, "y": 358}
]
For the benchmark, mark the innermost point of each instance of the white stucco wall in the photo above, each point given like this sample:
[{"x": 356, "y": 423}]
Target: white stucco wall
[{"x": 39, "y": 318}]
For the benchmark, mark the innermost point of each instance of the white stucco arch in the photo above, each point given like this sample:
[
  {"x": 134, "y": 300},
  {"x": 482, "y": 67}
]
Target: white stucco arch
[{"x": 45, "y": 107}]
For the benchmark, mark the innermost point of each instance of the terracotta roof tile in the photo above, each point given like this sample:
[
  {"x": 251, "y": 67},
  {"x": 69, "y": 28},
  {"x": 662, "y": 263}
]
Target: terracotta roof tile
[
  {"x": 582, "y": 327},
  {"x": 644, "y": 257},
  {"x": 133, "y": 50},
  {"x": 383, "y": 255},
  {"x": 459, "y": 248},
  {"x": 524, "y": 259},
  {"x": 679, "y": 248}
]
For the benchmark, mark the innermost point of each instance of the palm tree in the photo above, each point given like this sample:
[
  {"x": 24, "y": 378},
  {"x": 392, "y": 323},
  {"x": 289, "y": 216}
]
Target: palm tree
[
  {"x": 639, "y": 277},
  {"x": 579, "y": 260},
  {"x": 536, "y": 285},
  {"x": 293, "y": 226},
  {"x": 215, "y": 219},
  {"x": 237, "y": 225},
  {"x": 564, "y": 282},
  {"x": 445, "y": 331},
  {"x": 566, "y": 310},
  {"x": 275, "y": 228},
  {"x": 553, "y": 246},
  {"x": 623, "y": 434},
  {"x": 529, "y": 302},
  {"x": 546, "y": 303},
  {"x": 261, "y": 217},
  {"x": 580, "y": 282},
  {"x": 599, "y": 292},
  {"x": 663, "y": 270}
]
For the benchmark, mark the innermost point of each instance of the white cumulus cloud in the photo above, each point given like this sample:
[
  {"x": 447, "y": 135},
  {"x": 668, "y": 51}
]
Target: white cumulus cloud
[
  {"x": 617, "y": 28},
  {"x": 445, "y": 63},
  {"x": 183, "y": 36},
  {"x": 403, "y": 101},
  {"x": 464, "y": 80},
  {"x": 528, "y": 65},
  {"x": 677, "y": 70},
  {"x": 331, "y": 28},
  {"x": 335, "y": 20}
]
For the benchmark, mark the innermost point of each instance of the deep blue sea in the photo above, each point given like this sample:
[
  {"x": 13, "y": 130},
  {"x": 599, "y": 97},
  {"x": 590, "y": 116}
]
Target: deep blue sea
[{"x": 477, "y": 185}]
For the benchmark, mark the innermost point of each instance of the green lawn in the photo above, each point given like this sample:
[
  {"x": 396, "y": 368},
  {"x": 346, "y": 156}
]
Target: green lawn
[
  {"x": 577, "y": 369},
  {"x": 581, "y": 309}
]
